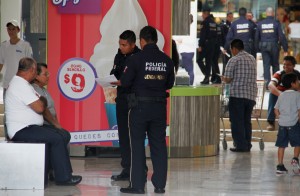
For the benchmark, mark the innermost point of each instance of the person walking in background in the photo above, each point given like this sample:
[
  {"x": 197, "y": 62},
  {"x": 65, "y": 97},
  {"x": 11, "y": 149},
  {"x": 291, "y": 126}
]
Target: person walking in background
[
  {"x": 268, "y": 35},
  {"x": 295, "y": 36},
  {"x": 11, "y": 51},
  {"x": 250, "y": 17},
  {"x": 225, "y": 28},
  {"x": 276, "y": 88},
  {"x": 240, "y": 73},
  {"x": 175, "y": 55},
  {"x": 215, "y": 70},
  {"x": 149, "y": 74},
  {"x": 207, "y": 44},
  {"x": 126, "y": 49},
  {"x": 186, "y": 47},
  {"x": 287, "y": 110},
  {"x": 242, "y": 29}
]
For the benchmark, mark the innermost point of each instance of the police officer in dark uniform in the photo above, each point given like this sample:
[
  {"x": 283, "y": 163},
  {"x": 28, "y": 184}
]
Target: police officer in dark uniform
[
  {"x": 149, "y": 74},
  {"x": 225, "y": 28},
  {"x": 267, "y": 38},
  {"x": 249, "y": 17},
  {"x": 127, "y": 48},
  {"x": 207, "y": 43},
  {"x": 215, "y": 78},
  {"x": 242, "y": 29}
]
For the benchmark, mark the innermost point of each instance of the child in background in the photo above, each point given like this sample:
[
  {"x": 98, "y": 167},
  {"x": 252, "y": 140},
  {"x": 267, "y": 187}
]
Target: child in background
[{"x": 287, "y": 110}]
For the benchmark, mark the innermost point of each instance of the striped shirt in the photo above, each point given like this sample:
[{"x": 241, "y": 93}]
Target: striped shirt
[{"x": 242, "y": 70}]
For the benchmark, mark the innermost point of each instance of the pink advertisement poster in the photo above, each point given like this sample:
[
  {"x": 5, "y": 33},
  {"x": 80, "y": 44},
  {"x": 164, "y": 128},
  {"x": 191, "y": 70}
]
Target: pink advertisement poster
[{"x": 83, "y": 39}]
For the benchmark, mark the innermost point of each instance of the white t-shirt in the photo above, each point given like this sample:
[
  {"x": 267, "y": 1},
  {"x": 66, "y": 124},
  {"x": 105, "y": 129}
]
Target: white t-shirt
[
  {"x": 17, "y": 110},
  {"x": 288, "y": 104},
  {"x": 10, "y": 56},
  {"x": 295, "y": 30}
]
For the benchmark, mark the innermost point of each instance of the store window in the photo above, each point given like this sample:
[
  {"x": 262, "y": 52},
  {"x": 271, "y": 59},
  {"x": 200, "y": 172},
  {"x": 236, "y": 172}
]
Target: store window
[{"x": 221, "y": 7}]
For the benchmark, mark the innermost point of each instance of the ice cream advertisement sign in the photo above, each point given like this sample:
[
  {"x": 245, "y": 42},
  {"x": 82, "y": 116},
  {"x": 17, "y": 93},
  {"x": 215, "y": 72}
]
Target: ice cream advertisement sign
[{"x": 82, "y": 46}]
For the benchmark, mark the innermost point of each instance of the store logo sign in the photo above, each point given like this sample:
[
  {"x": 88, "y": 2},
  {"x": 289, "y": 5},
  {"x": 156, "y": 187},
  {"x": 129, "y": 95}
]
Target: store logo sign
[{"x": 78, "y": 6}]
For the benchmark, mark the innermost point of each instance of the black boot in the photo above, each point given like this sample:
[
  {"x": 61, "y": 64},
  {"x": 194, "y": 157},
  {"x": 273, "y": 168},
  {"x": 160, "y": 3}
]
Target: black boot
[
  {"x": 205, "y": 81},
  {"x": 217, "y": 80},
  {"x": 123, "y": 176}
]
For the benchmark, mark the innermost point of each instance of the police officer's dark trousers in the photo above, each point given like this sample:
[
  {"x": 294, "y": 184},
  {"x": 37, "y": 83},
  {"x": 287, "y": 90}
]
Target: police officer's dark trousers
[
  {"x": 200, "y": 58},
  {"x": 210, "y": 46},
  {"x": 59, "y": 156},
  {"x": 148, "y": 117},
  {"x": 122, "y": 120}
]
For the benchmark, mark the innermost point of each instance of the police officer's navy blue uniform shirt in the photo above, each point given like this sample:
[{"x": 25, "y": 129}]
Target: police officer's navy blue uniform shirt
[
  {"x": 269, "y": 30},
  {"x": 118, "y": 69},
  {"x": 242, "y": 29},
  {"x": 267, "y": 38},
  {"x": 208, "y": 31},
  {"x": 152, "y": 77}
]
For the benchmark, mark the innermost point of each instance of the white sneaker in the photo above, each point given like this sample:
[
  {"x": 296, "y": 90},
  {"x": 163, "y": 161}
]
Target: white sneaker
[{"x": 295, "y": 165}]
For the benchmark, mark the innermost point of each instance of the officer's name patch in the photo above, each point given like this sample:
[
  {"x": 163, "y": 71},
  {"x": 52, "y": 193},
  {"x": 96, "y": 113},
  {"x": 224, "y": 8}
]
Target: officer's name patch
[
  {"x": 268, "y": 31},
  {"x": 155, "y": 66},
  {"x": 243, "y": 31},
  {"x": 154, "y": 77},
  {"x": 242, "y": 26},
  {"x": 267, "y": 26}
]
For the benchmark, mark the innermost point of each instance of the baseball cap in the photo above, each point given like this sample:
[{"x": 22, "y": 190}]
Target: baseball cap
[{"x": 14, "y": 23}]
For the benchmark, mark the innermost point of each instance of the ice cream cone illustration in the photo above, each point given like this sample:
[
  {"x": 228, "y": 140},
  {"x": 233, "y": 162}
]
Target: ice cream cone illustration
[{"x": 123, "y": 15}]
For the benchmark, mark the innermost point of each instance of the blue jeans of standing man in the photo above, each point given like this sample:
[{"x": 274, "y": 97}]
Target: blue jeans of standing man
[
  {"x": 187, "y": 62},
  {"x": 271, "y": 113},
  {"x": 240, "y": 110}
]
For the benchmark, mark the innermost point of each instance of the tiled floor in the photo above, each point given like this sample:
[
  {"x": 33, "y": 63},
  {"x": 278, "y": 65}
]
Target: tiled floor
[{"x": 226, "y": 174}]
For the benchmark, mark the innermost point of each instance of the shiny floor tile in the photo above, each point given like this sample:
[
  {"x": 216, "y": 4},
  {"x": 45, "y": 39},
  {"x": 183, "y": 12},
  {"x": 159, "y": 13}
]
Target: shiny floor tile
[{"x": 226, "y": 174}]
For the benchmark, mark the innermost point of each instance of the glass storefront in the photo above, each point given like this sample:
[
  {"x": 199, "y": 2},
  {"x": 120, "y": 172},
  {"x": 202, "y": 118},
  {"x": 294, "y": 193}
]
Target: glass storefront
[{"x": 221, "y": 7}]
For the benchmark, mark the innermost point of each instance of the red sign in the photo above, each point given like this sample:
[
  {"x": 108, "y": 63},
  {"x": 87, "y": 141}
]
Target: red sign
[{"x": 94, "y": 39}]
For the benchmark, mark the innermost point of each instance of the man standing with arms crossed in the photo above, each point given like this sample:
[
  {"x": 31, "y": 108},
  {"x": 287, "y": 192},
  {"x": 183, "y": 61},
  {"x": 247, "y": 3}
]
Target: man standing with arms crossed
[
  {"x": 149, "y": 74},
  {"x": 127, "y": 48}
]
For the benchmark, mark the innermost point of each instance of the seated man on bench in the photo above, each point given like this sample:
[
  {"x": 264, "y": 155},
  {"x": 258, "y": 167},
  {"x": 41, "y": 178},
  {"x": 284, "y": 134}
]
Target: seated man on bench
[
  {"x": 50, "y": 118},
  {"x": 24, "y": 109}
]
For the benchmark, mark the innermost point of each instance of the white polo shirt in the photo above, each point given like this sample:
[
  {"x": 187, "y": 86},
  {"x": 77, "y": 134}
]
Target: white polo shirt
[
  {"x": 18, "y": 113},
  {"x": 10, "y": 55}
]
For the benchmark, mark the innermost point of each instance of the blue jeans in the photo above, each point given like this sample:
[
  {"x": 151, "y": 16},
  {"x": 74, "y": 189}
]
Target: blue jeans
[
  {"x": 270, "y": 56},
  {"x": 187, "y": 61},
  {"x": 272, "y": 102},
  {"x": 288, "y": 134},
  {"x": 59, "y": 156},
  {"x": 240, "y": 110}
]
